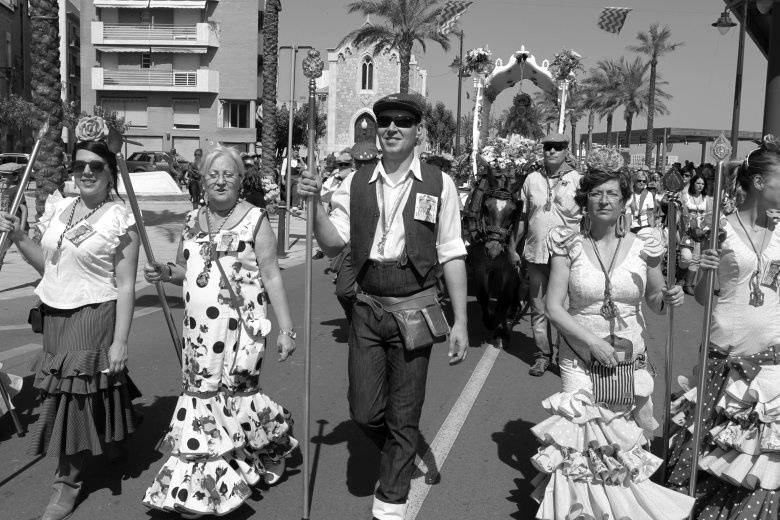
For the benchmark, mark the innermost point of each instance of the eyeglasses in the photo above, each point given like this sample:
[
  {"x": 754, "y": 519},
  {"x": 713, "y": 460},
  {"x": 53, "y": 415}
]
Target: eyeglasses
[
  {"x": 641, "y": 181},
  {"x": 558, "y": 147},
  {"x": 94, "y": 166},
  {"x": 686, "y": 175},
  {"x": 599, "y": 195},
  {"x": 400, "y": 121},
  {"x": 214, "y": 175}
]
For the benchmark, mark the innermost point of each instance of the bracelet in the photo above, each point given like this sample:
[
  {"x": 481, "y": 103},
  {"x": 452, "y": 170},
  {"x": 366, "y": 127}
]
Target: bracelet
[
  {"x": 289, "y": 332},
  {"x": 170, "y": 266}
]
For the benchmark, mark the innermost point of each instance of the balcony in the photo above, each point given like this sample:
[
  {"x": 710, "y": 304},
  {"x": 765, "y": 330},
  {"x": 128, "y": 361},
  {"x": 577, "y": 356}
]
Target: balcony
[
  {"x": 150, "y": 80},
  {"x": 147, "y": 4},
  {"x": 122, "y": 37}
]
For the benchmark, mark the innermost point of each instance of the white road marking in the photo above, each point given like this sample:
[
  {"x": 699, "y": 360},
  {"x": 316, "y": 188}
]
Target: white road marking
[
  {"x": 20, "y": 351},
  {"x": 448, "y": 433}
]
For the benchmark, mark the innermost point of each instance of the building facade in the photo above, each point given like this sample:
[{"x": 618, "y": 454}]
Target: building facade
[
  {"x": 356, "y": 78},
  {"x": 70, "y": 51},
  {"x": 15, "y": 34},
  {"x": 184, "y": 74}
]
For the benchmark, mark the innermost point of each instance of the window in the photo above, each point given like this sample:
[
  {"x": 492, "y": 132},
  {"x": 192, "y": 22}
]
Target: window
[
  {"x": 186, "y": 113},
  {"x": 9, "y": 55},
  {"x": 146, "y": 60},
  {"x": 236, "y": 114},
  {"x": 367, "y": 74},
  {"x": 132, "y": 109}
]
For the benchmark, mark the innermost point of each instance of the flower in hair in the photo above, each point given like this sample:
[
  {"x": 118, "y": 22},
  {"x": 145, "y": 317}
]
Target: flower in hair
[
  {"x": 92, "y": 128},
  {"x": 605, "y": 159},
  {"x": 770, "y": 143}
]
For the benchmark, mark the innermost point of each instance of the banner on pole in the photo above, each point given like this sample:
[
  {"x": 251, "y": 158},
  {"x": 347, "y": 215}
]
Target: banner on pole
[
  {"x": 450, "y": 13},
  {"x": 612, "y": 19}
]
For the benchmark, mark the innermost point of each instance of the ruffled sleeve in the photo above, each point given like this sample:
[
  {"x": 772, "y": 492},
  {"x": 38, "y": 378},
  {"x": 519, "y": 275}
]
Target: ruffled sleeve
[
  {"x": 119, "y": 221},
  {"x": 654, "y": 246},
  {"x": 564, "y": 241},
  {"x": 54, "y": 203}
]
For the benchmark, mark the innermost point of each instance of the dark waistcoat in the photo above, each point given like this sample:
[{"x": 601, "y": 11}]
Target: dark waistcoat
[{"x": 420, "y": 267}]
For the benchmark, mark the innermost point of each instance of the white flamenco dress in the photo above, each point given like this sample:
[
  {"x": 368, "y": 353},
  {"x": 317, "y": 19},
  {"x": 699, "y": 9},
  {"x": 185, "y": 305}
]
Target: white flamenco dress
[{"x": 593, "y": 462}]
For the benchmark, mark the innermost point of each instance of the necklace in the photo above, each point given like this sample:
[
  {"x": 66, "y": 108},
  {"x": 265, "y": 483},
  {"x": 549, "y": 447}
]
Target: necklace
[
  {"x": 608, "y": 309},
  {"x": 70, "y": 225},
  {"x": 208, "y": 253},
  {"x": 384, "y": 218},
  {"x": 550, "y": 187},
  {"x": 756, "y": 295}
]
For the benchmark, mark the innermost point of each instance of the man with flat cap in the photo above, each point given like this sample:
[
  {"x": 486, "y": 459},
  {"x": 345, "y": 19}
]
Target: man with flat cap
[
  {"x": 548, "y": 201},
  {"x": 401, "y": 219}
]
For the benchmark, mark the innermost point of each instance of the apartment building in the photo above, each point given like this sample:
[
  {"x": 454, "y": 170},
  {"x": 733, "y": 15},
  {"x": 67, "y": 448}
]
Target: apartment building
[
  {"x": 70, "y": 50},
  {"x": 15, "y": 34},
  {"x": 184, "y": 74}
]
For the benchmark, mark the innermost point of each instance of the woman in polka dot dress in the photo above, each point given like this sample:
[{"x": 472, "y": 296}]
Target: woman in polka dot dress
[
  {"x": 739, "y": 469},
  {"x": 225, "y": 434}
]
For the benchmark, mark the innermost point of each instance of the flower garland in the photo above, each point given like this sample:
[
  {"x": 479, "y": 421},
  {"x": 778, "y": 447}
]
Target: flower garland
[
  {"x": 515, "y": 154},
  {"x": 565, "y": 64},
  {"x": 478, "y": 61}
]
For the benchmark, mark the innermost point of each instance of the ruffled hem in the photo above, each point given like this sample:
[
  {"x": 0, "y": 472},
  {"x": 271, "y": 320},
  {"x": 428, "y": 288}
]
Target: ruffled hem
[
  {"x": 578, "y": 424},
  {"x": 740, "y": 469},
  {"x": 205, "y": 428},
  {"x": 561, "y": 498},
  {"x": 72, "y": 423},
  {"x": 720, "y": 500},
  {"x": 214, "y": 487},
  {"x": 600, "y": 465},
  {"x": 69, "y": 364}
]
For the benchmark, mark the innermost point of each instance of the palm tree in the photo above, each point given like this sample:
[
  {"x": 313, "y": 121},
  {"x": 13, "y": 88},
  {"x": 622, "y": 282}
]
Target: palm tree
[
  {"x": 270, "y": 71},
  {"x": 654, "y": 44},
  {"x": 45, "y": 87},
  {"x": 406, "y": 22},
  {"x": 603, "y": 84},
  {"x": 633, "y": 92}
]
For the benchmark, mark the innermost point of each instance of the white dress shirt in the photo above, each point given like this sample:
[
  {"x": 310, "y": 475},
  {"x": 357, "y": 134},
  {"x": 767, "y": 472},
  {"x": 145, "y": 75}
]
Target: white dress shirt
[{"x": 449, "y": 243}]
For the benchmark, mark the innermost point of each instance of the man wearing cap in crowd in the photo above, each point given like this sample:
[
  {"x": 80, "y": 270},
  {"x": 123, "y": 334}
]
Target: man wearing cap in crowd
[
  {"x": 548, "y": 201},
  {"x": 399, "y": 251}
]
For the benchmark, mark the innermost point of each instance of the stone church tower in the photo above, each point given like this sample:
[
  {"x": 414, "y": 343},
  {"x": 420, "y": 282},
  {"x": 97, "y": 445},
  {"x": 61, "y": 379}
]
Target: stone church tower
[{"x": 355, "y": 80}]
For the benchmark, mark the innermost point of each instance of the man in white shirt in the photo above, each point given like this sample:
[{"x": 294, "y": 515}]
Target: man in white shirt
[
  {"x": 548, "y": 201},
  {"x": 402, "y": 221}
]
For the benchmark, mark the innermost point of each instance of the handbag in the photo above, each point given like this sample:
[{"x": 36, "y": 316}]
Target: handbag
[
  {"x": 614, "y": 385},
  {"x": 35, "y": 319}
]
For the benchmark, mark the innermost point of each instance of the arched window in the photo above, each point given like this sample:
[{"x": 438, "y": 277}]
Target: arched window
[{"x": 367, "y": 74}]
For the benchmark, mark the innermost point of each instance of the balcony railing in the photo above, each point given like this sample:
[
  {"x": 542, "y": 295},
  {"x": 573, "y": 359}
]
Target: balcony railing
[
  {"x": 202, "y": 80},
  {"x": 198, "y": 34}
]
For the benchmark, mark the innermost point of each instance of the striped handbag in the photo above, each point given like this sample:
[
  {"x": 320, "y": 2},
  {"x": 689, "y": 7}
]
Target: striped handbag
[{"x": 614, "y": 385}]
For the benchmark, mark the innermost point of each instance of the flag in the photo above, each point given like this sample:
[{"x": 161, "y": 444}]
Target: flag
[
  {"x": 613, "y": 18},
  {"x": 450, "y": 13}
]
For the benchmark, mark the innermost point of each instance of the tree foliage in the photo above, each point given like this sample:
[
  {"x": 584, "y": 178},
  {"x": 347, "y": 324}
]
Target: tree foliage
[
  {"x": 300, "y": 126},
  {"x": 404, "y": 24},
  {"x": 270, "y": 71},
  {"x": 633, "y": 91},
  {"x": 15, "y": 114},
  {"x": 440, "y": 126}
]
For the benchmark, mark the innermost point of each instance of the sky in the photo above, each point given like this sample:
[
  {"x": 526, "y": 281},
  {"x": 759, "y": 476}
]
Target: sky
[{"x": 700, "y": 73}]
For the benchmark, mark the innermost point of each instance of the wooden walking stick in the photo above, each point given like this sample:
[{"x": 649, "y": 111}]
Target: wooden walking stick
[
  {"x": 312, "y": 69},
  {"x": 673, "y": 184},
  {"x": 139, "y": 221},
  {"x": 720, "y": 151}
]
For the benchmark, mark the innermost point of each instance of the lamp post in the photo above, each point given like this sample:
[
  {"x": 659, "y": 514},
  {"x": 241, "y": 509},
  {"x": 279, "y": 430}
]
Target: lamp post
[
  {"x": 457, "y": 68},
  {"x": 724, "y": 23}
]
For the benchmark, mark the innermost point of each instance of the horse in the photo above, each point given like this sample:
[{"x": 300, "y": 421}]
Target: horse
[{"x": 490, "y": 215}]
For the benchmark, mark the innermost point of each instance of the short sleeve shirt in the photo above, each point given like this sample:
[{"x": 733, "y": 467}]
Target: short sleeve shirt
[{"x": 541, "y": 217}]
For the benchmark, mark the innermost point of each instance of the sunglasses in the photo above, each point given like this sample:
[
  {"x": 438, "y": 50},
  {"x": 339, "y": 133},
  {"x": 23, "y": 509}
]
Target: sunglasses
[
  {"x": 558, "y": 147},
  {"x": 641, "y": 181},
  {"x": 94, "y": 166},
  {"x": 400, "y": 121}
]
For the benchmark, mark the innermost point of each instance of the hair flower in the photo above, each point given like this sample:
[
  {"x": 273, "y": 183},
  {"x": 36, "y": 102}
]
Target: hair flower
[
  {"x": 605, "y": 159},
  {"x": 92, "y": 128}
]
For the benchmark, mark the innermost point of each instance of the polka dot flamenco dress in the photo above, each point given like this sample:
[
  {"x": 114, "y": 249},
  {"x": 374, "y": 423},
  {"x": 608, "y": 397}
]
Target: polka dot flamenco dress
[{"x": 225, "y": 431}]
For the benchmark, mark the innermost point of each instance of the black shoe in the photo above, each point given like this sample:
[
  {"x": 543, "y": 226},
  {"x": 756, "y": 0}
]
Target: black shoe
[{"x": 540, "y": 366}]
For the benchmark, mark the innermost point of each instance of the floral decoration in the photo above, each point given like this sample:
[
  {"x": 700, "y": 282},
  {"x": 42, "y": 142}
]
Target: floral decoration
[
  {"x": 270, "y": 190},
  {"x": 478, "y": 61},
  {"x": 605, "y": 159},
  {"x": 91, "y": 128},
  {"x": 565, "y": 64},
  {"x": 515, "y": 153}
]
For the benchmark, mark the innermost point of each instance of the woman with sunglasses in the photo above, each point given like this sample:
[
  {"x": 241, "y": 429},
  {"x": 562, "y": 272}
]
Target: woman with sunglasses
[
  {"x": 225, "y": 434},
  {"x": 739, "y": 469},
  {"x": 594, "y": 461},
  {"x": 642, "y": 208},
  {"x": 696, "y": 205},
  {"x": 87, "y": 255}
]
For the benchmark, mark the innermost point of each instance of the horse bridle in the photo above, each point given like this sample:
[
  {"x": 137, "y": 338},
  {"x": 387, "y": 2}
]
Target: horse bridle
[{"x": 497, "y": 233}]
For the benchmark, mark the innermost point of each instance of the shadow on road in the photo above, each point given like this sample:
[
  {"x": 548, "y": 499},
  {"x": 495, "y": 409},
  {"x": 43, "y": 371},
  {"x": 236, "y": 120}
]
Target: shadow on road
[
  {"x": 340, "y": 329},
  {"x": 515, "y": 445},
  {"x": 169, "y": 222},
  {"x": 25, "y": 403},
  {"x": 151, "y": 300},
  {"x": 363, "y": 461}
]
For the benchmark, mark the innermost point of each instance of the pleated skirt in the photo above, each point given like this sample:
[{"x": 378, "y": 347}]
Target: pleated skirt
[{"x": 83, "y": 408}]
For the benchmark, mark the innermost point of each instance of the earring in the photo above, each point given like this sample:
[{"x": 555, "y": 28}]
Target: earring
[
  {"x": 586, "y": 223},
  {"x": 621, "y": 227}
]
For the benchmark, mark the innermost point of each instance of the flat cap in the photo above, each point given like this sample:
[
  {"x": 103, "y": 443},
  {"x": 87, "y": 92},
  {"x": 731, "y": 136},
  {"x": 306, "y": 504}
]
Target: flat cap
[
  {"x": 413, "y": 103},
  {"x": 555, "y": 137},
  {"x": 364, "y": 151}
]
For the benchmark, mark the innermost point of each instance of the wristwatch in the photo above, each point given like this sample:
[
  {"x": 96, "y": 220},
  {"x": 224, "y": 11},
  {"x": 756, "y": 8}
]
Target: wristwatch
[{"x": 288, "y": 332}]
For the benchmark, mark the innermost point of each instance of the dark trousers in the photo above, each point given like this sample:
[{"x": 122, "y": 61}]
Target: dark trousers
[{"x": 386, "y": 394}]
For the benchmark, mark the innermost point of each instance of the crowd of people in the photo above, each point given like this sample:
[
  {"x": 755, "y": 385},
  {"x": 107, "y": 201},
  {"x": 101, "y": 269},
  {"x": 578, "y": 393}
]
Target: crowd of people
[{"x": 593, "y": 241}]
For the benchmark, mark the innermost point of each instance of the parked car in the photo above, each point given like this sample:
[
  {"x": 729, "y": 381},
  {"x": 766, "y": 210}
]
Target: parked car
[
  {"x": 18, "y": 158},
  {"x": 149, "y": 161}
]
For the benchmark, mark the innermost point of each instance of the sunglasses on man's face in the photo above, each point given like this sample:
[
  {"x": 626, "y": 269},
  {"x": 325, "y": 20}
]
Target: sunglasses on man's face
[
  {"x": 94, "y": 166},
  {"x": 558, "y": 147},
  {"x": 400, "y": 121}
]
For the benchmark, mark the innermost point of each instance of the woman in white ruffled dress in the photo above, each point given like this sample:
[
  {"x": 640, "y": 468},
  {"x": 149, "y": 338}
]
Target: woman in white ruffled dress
[
  {"x": 593, "y": 461},
  {"x": 226, "y": 434},
  {"x": 739, "y": 475}
]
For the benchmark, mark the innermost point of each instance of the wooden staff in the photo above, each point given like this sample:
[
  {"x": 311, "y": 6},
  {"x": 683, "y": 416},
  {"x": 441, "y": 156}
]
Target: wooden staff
[
  {"x": 673, "y": 183},
  {"x": 721, "y": 150},
  {"x": 139, "y": 220},
  {"x": 312, "y": 69},
  {"x": 4, "y": 237}
]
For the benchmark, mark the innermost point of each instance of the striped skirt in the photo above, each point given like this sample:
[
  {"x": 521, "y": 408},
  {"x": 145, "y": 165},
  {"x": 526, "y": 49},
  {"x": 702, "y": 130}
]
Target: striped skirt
[{"x": 83, "y": 407}]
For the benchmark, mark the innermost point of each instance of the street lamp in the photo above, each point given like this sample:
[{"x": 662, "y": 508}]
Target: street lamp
[
  {"x": 724, "y": 23},
  {"x": 457, "y": 67}
]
